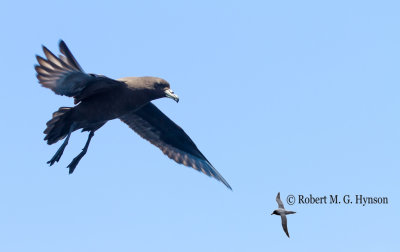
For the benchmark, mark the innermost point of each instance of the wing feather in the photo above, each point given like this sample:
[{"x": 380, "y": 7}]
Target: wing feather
[
  {"x": 69, "y": 58},
  {"x": 53, "y": 59}
]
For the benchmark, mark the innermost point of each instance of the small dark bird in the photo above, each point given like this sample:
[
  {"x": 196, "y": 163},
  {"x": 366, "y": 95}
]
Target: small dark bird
[
  {"x": 99, "y": 99},
  {"x": 282, "y": 212}
]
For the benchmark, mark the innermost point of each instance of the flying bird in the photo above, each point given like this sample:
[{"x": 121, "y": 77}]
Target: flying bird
[
  {"x": 99, "y": 99},
  {"x": 282, "y": 212}
]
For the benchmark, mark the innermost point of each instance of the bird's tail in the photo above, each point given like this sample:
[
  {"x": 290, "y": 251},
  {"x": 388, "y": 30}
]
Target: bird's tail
[
  {"x": 58, "y": 126},
  {"x": 290, "y": 212}
]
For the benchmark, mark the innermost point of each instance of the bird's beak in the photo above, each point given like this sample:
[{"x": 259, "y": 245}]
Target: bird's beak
[{"x": 170, "y": 94}]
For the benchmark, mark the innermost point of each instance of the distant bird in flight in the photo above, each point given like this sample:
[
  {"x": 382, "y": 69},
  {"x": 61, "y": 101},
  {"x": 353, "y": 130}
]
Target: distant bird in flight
[
  {"x": 282, "y": 212},
  {"x": 99, "y": 99}
]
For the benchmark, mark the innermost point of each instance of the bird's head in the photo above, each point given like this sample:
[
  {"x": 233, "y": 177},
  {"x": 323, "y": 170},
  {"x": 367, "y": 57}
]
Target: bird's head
[
  {"x": 163, "y": 88},
  {"x": 155, "y": 87},
  {"x": 275, "y": 212}
]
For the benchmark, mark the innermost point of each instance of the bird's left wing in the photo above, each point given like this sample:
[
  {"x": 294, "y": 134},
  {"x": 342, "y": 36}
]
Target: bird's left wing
[
  {"x": 279, "y": 201},
  {"x": 154, "y": 126},
  {"x": 284, "y": 224}
]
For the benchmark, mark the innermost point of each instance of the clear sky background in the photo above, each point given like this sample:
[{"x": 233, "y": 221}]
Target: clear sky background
[{"x": 296, "y": 97}]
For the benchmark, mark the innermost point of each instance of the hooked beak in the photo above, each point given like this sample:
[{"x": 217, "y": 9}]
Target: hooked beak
[{"x": 170, "y": 94}]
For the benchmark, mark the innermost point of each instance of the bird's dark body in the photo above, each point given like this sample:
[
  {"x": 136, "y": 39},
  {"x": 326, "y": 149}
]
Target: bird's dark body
[
  {"x": 99, "y": 99},
  {"x": 112, "y": 103},
  {"x": 107, "y": 106},
  {"x": 94, "y": 111}
]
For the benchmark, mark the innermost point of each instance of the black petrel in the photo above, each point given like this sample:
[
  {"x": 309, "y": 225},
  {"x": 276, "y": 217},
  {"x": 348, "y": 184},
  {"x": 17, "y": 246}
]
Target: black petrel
[{"x": 99, "y": 99}]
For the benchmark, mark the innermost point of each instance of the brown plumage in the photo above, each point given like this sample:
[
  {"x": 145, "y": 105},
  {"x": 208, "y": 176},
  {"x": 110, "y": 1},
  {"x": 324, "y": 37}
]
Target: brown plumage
[{"x": 99, "y": 99}]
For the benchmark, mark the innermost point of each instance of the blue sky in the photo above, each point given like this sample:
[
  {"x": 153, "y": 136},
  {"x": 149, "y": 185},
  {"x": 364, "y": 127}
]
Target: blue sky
[{"x": 297, "y": 96}]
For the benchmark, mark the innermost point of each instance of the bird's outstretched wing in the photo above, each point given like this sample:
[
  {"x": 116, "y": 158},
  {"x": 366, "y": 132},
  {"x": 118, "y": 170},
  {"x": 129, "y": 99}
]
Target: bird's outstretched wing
[
  {"x": 65, "y": 76},
  {"x": 284, "y": 224},
  {"x": 154, "y": 126},
  {"x": 279, "y": 201}
]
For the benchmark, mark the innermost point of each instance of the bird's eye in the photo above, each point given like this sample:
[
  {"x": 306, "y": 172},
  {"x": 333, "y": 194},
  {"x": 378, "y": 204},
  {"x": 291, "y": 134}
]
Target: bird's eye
[{"x": 158, "y": 85}]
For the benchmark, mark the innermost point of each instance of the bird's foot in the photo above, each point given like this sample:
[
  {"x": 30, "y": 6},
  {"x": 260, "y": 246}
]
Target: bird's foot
[
  {"x": 75, "y": 162},
  {"x": 56, "y": 156}
]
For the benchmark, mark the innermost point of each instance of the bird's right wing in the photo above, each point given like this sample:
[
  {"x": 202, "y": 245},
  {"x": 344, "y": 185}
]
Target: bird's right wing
[
  {"x": 284, "y": 224},
  {"x": 64, "y": 76},
  {"x": 154, "y": 126},
  {"x": 279, "y": 201}
]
